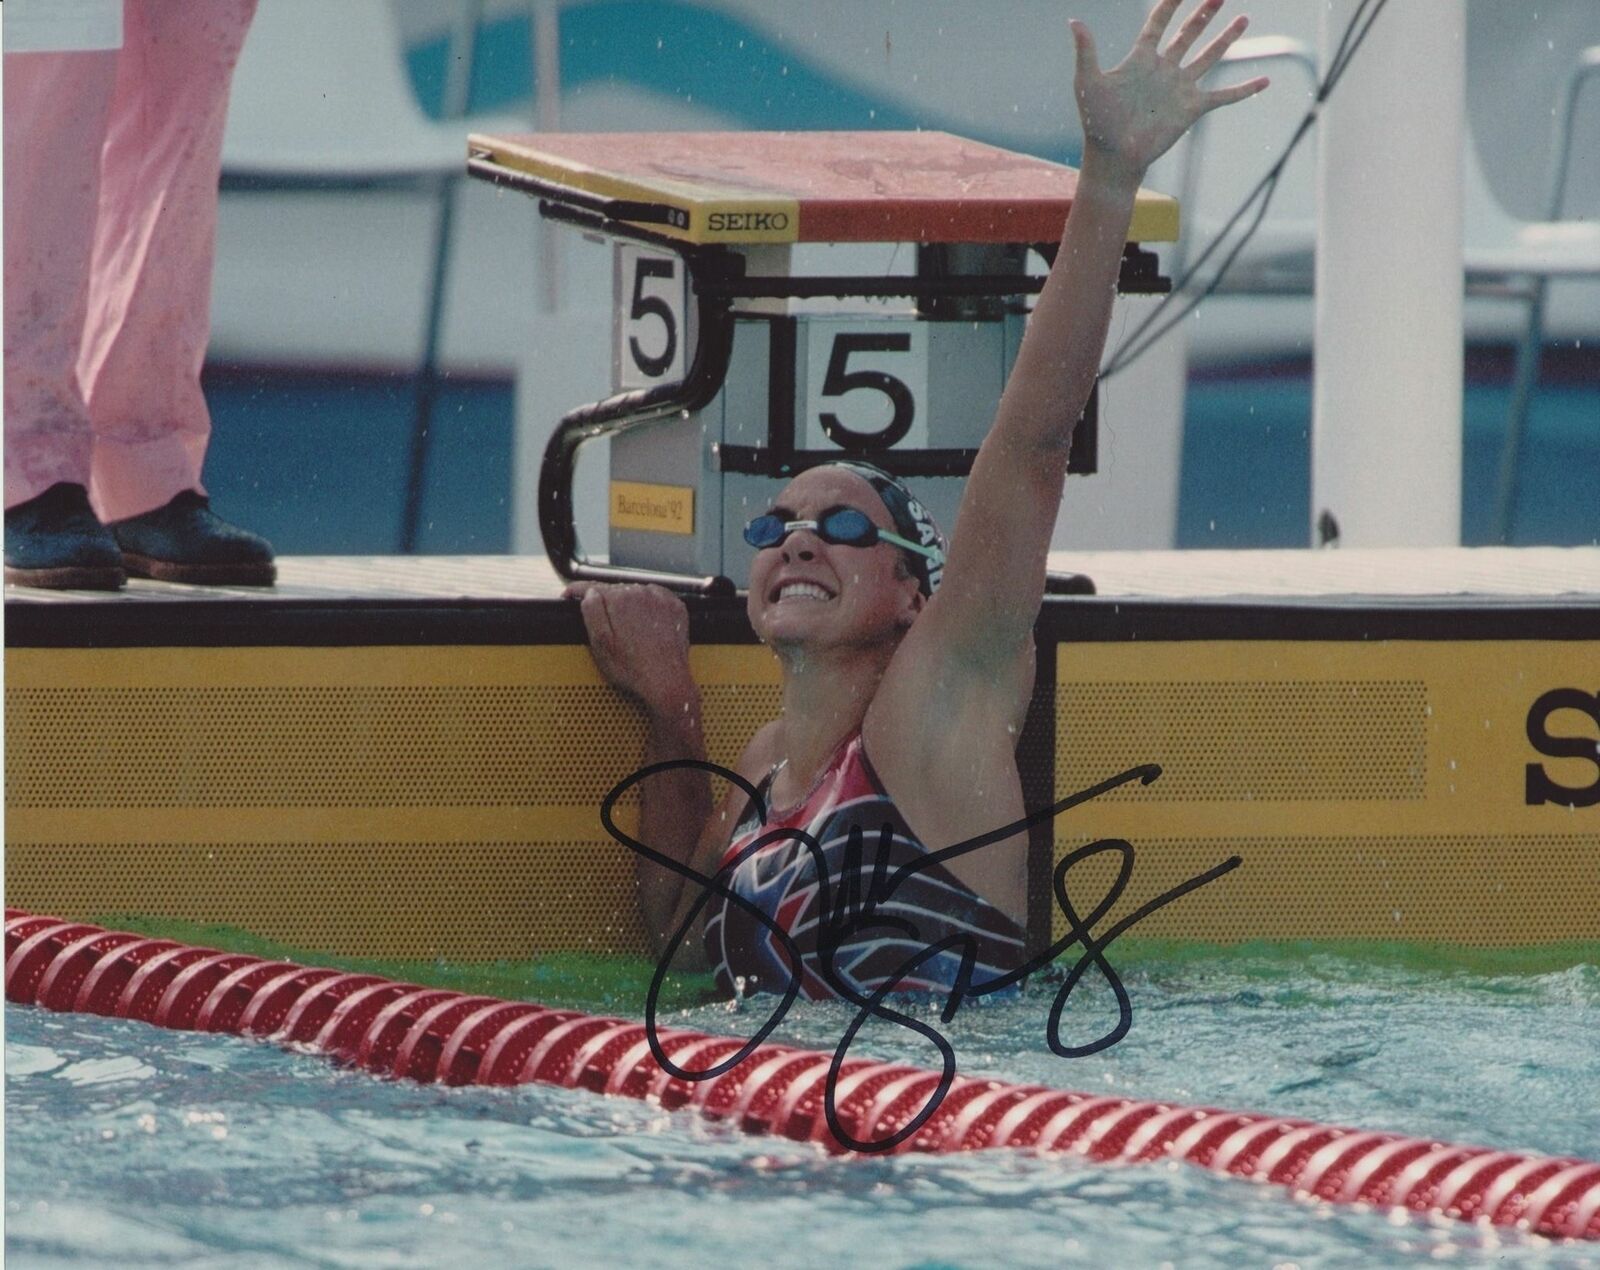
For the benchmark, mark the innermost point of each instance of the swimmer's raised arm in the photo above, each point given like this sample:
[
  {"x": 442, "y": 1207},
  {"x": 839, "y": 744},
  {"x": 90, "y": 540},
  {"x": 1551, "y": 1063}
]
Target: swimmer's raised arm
[{"x": 994, "y": 581}]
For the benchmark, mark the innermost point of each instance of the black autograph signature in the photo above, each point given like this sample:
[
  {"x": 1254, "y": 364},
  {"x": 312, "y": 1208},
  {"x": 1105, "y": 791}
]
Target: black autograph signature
[{"x": 853, "y": 911}]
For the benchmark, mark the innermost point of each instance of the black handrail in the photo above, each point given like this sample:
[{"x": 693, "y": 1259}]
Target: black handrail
[{"x": 626, "y": 411}]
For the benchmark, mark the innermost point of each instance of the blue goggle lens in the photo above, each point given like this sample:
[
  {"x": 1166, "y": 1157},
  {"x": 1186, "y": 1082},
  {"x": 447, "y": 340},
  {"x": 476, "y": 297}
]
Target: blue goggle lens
[{"x": 842, "y": 526}]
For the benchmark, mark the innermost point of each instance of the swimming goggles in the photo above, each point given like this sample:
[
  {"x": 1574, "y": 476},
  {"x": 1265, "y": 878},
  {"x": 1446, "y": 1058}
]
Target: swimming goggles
[{"x": 841, "y": 526}]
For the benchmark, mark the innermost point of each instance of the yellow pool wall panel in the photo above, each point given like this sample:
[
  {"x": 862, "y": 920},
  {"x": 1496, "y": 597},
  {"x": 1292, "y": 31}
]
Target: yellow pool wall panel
[
  {"x": 442, "y": 800},
  {"x": 370, "y": 802},
  {"x": 1371, "y": 790}
]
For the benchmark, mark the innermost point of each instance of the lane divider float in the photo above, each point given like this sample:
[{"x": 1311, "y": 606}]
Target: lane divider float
[{"x": 430, "y": 1034}]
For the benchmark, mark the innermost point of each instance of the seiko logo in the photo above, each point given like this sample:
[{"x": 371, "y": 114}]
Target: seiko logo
[{"x": 747, "y": 222}]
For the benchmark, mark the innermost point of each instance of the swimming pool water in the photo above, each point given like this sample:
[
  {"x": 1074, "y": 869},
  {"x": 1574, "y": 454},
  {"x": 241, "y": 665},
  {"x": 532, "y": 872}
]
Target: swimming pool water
[{"x": 131, "y": 1145}]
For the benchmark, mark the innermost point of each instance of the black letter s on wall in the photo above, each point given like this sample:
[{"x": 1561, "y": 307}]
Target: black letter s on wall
[{"x": 1540, "y": 788}]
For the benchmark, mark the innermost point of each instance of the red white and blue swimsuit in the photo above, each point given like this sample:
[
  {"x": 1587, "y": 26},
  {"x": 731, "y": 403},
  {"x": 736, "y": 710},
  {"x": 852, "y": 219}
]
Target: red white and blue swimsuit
[{"x": 876, "y": 937}]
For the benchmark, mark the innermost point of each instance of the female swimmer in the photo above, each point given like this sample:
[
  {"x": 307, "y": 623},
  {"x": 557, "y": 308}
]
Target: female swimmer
[{"x": 906, "y": 675}]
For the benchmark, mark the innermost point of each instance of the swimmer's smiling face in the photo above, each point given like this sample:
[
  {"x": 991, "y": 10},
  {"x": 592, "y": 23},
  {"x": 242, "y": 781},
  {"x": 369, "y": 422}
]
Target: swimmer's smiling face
[{"x": 806, "y": 591}]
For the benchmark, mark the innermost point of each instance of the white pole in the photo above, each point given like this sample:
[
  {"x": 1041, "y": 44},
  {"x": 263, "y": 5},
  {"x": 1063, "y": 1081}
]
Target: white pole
[
  {"x": 1386, "y": 415},
  {"x": 542, "y": 391},
  {"x": 547, "y": 118}
]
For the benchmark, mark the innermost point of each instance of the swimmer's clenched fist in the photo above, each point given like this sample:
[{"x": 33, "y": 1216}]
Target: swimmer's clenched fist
[{"x": 639, "y": 637}]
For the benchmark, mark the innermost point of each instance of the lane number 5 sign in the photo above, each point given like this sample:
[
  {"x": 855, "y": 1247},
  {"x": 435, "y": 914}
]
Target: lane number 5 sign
[
  {"x": 866, "y": 385},
  {"x": 650, "y": 330}
]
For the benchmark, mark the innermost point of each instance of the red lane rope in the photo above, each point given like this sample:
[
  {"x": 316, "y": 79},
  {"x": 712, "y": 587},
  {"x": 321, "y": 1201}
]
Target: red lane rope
[{"x": 429, "y": 1034}]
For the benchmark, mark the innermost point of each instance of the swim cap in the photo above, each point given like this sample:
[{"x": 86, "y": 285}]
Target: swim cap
[{"x": 912, "y": 521}]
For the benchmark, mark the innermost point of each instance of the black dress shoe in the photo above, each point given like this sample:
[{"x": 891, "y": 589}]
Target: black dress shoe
[
  {"x": 186, "y": 541},
  {"x": 54, "y": 540}
]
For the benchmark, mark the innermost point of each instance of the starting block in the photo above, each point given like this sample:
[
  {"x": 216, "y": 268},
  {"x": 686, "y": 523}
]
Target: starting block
[{"x": 787, "y": 299}]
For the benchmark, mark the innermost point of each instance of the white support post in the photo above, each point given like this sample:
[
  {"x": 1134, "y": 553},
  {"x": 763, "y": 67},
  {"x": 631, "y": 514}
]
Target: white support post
[
  {"x": 1387, "y": 393},
  {"x": 547, "y": 118}
]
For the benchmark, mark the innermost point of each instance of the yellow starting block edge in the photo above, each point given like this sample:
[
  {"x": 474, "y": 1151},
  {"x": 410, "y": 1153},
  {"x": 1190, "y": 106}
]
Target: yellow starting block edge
[
  {"x": 1156, "y": 216},
  {"x": 702, "y": 205}
]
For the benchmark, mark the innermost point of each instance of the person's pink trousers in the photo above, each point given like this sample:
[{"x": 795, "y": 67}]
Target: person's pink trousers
[{"x": 111, "y": 165}]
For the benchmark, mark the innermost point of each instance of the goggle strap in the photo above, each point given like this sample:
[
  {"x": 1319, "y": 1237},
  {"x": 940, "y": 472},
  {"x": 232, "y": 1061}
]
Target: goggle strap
[{"x": 932, "y": 553}]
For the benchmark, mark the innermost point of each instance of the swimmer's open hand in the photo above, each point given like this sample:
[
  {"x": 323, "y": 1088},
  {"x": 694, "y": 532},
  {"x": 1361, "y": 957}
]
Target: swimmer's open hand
[
  {"x": 1135, "y": 112},
  {"x": 639, "y": 637}
]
